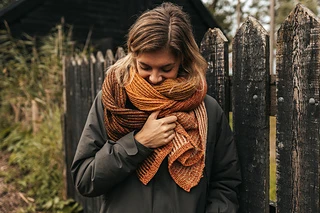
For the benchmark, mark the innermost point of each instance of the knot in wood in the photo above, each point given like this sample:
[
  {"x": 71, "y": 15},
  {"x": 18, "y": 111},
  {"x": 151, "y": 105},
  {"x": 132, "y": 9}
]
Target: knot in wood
[
  {"x": 281, "y": 99},
  {"x": 312, "y": 101}
]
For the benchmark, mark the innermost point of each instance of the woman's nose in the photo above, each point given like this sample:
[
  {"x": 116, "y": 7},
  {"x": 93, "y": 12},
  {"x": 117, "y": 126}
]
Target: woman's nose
[{"x": 155, "y": 78}]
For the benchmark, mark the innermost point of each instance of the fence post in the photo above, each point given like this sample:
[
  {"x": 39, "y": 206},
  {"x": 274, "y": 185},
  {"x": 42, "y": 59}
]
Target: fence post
[
  {"x": 109, "y": 59},
  {"x": 83, "y": 80},
  {"x": 120, "y": 53},
  {"x": 214, "y": 48},
  {"x": 251, "y": 113},
  {"x": 85, "y": 90},
  {"x": 298, "y": 115},
  {"x": 68, "y": 136},
  {"x": 93, "y": 62},
  {"x": 97, "y": 72}
]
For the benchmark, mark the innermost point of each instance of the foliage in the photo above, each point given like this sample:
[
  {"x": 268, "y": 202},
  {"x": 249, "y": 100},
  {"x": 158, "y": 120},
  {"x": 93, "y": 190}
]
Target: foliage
[
  {"x": 272, "y": 167},
  {"x": 223, "y": 12},
  {"x": 284, "y": 7},
  {"x": 62, "y": 206},
  {"x": 31, "y": 72},
  {"x": 40, "y": 161},
  {"x": 272, "y": 190},
  {"x": 259, "y": 10},
  {"x": 5, "y": 3}
]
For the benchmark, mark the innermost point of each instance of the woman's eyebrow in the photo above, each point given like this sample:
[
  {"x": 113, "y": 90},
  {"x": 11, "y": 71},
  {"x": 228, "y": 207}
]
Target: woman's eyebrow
[
  {"x": 169, "y": 65},
  {"x": 144, "y": 64},
  {"x": 166, "y": 65}
]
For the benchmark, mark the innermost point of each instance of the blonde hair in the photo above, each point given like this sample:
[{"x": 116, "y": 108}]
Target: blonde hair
[{"x": 165, "y": 26}]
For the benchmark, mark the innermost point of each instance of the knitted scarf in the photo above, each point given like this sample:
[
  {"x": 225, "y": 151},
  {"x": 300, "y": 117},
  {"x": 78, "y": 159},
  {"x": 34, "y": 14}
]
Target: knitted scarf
[{"x": 186, "y": 152}]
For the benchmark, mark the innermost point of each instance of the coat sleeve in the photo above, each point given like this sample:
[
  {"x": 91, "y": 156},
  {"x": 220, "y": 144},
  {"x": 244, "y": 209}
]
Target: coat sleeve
[
  {"x": 100, "y": 164},
  {"x": 225, "y": 172}
]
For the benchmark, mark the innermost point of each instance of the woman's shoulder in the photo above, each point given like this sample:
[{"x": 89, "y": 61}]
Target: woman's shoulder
[
  {"x": 211, "y": 102},
  {"x": 212, "y": 106}
]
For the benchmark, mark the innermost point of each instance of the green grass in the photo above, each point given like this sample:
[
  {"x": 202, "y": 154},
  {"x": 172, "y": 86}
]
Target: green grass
[
  {"x": 272, "y": 190},
  {"x": 31, "y": 72},
  {"x": 40, "y": 162}
]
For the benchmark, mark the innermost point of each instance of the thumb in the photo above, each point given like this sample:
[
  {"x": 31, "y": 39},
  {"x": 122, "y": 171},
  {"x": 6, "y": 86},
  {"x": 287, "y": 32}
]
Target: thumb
[{"x": 154, "y": 115}]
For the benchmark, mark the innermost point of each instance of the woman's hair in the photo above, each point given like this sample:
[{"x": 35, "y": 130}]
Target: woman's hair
[{"x": 165, "y": 26}]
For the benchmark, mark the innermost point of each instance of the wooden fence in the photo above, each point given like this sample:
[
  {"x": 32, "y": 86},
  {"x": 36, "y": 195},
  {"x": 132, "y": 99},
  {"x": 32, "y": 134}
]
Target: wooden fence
[{"x": 252, "y": 90}]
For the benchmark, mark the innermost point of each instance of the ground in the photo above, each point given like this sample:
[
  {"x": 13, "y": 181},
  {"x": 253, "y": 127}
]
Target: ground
[{"x": 11, "y": 199}]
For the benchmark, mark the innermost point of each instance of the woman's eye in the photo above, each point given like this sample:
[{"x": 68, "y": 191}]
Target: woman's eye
[
  {"x": 145, "y": 68},
  {"x": 167, "y": 70}
]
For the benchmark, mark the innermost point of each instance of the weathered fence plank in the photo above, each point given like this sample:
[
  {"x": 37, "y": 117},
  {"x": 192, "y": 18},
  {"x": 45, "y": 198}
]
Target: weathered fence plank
[
  {"x": 109, "y": 59},
  {"x": 97, "y": 72},
  {"x": 214, "y": 48},
  {"x": 78, "y": 74},
  {"x": 92, "y": 62},
  {"x": 119, "y": 54},
  {"x": 85, "y": 90},
  {"x": 298, "y": 140},
  {"x": 69, "y": 145},
  {"x": 250, "y": 113},
  {"x": 77, "y": 101},
  {"x": 75, "y": 112}
]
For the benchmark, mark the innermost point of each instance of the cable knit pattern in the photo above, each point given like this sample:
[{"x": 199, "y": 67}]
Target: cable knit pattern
[{"x": 177, "y": 97}]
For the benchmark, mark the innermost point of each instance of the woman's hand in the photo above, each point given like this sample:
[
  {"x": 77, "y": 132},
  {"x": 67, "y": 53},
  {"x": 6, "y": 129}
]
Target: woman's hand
[{"x": 157, "y": 132}]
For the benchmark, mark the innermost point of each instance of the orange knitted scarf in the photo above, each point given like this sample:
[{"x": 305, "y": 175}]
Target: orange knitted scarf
[{"x": 186, "y": 152}]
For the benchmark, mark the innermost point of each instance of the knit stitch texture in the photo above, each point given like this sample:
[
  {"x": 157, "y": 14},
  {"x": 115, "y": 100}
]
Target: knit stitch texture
[{"x": 186, "y": 152}]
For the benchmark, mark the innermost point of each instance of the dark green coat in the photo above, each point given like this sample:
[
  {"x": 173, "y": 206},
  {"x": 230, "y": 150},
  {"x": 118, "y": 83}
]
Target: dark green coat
[{"x": 104, "y": 167}]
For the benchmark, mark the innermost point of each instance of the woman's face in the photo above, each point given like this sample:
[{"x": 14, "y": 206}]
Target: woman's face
[{"x": 157, "y": 66}]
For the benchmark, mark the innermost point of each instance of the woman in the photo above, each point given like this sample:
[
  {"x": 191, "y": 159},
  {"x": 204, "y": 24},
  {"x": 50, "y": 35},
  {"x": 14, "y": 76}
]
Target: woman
[{"x": 154, "y": 141}]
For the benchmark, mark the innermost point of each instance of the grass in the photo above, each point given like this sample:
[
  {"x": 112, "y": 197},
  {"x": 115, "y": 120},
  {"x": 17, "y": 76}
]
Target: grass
[
  {"x": 39, "y": 162},
  {"x": 272, "y": 190},
  {"x": 31, "y": 84}
]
